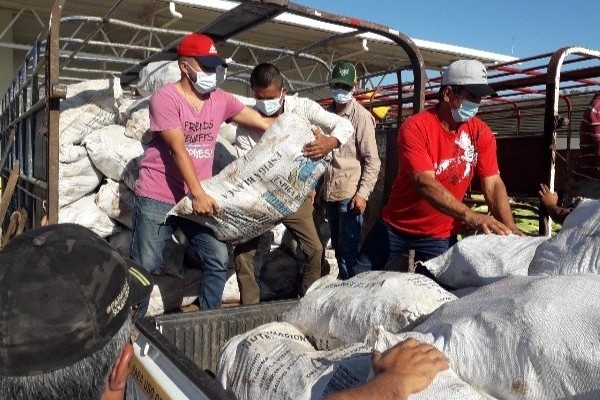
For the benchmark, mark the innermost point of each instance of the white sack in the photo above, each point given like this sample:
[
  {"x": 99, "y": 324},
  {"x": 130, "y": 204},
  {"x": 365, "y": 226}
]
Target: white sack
[
  {"x": 156, "y": 74},
  {"x": 89, "y": 106},
  {"x": 576, "y": 248},
  {"x": 137, "y": 124},
  {"x": 111, "y": 151},
  {"x": 276, "y": 361},
  {"x": 525, "y": 337},
  {"x": 117, "y": 201},
  {"x": 76, "y": 178},
  {"x": 268, "y": 183},
  {"x": 483, "y": 259},
  {"x": 335, "y": 312},
  {"x": 85, "y": 212},
  {"x": 231, "y": 291},
  {"x": 447, "y": 384}
]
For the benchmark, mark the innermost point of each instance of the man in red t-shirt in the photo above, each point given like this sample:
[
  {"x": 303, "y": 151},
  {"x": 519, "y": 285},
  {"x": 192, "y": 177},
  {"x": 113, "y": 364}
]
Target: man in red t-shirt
[
  {"x": 585, "y": 181},
  {"x": 440, "y": 150}
]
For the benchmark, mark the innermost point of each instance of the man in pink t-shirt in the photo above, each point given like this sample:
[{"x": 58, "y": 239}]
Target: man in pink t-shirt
[
  {"x": 184, "y": 119},
  {"x": 440, "y": 150}
]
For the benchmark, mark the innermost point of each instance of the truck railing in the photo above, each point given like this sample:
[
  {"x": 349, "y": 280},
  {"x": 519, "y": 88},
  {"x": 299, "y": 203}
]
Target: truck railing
[{"x": 85, "y": 49}]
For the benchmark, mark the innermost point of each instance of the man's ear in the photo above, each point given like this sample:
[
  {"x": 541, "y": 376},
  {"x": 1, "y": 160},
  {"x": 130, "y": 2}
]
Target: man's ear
[{"x": 117, "y": 380}]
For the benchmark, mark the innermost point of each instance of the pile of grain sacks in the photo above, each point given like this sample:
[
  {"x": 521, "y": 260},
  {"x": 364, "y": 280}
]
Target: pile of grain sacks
[
  {"x": 102, "y": 136},
  {"x": 527, "y": 329}
]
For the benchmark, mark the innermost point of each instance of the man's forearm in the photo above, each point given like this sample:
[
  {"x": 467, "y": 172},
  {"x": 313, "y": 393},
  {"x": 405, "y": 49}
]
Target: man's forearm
[
  {"x": 188, "y": 172},
  {"x": 440, "y": 198},
  {"x": 497, "y": 201},
  {"x": 382, "y": 387}
]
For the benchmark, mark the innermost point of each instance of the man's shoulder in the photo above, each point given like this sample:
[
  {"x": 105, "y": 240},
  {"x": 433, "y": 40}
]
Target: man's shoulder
[
  {"x": 361, "y": 111},
  {"x": 422, "y": 117}
]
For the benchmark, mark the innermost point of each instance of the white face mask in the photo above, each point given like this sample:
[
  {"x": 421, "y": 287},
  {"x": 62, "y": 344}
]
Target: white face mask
[
  {"x": 204, "y": 83},
  {"x": 341, "y": 96},
  {"x": 269, "y": 107}
]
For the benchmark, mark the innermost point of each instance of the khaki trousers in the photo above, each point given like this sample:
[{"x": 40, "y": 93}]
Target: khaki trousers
[{"x": 302, "y": 225}]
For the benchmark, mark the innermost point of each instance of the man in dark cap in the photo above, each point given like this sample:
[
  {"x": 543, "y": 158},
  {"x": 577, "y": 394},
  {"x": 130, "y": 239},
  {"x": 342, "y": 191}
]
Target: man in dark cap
[
  {"x": 440, "y": 150},
  {"x": 66, "y": 300}
]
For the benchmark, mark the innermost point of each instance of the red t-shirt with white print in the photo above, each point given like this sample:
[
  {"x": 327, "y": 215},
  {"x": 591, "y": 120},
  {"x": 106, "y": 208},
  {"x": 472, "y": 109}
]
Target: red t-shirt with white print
[{"x": 454, "y": 157}]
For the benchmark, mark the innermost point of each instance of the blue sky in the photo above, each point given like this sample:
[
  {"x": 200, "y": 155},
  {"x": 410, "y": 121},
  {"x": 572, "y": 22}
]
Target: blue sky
[{"x": 512, "y": 27}]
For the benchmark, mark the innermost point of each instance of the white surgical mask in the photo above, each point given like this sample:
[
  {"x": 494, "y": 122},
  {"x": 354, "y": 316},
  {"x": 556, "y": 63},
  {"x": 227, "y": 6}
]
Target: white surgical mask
[
  {"x": 269, "y": 107},
  {"x": 205, "y": 82},
  {"x": 465, "y": 112},
  {"x": 341, "y": 96}
]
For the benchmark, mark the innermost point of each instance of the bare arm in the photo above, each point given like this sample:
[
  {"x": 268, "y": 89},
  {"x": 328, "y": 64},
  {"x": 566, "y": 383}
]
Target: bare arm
[
  {"x": 496, "y": 198},
  {"x": 406, "y": 368},
  {"x": 549, "y": 200},
  {"x": 444, "y": 201},
  {"x": 252, "y": 119},
  {"x": 201, "y": 202}
]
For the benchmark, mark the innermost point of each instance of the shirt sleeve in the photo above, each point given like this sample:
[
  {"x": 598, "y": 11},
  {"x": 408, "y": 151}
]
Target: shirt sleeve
[
  {"x": 334, "y": 125},
  {"x": 369, "y": 155},
  {"x": 232, "y": 105},
  {"x": 163, "y": 111},
  {"x": 487, "y": 164},
  {"x": 412, "y": 148}
]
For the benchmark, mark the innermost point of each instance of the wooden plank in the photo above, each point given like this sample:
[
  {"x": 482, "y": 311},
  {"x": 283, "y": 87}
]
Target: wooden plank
[{"x": 9, "y": 190}]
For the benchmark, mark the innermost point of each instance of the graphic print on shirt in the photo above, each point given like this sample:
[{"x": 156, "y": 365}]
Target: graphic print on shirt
[
  {"x": 462, "y": 164},
  {"x": 199, "y": 139}
]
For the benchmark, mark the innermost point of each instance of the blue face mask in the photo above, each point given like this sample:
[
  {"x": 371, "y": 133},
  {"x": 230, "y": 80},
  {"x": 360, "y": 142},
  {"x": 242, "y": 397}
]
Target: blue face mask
[
  {"x": 465, "y": 112},
  {"x": 341, "y": 96}
]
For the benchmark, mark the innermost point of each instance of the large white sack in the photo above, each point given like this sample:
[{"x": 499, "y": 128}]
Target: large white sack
[
  {"x": 268, "y": 183},
  {"x": 525, "y": 337},
  {"x": 336, "y": 312},
  {"x": 136, "y": 120},
  {"x": 447, "y": 384},
  {"x": 76, "y": 178},
  {"x": 117, "y": 201},
  {"x": 85, "y": 212},
  {"x": 111, "y": 151},
  {"x": 276, "y": 361},
  {"x": 89, "y": 106},
  {"x": 156, "y": 74},
  {"x": 231, "y": 291},
  {"x": 576, "y": 248},
  {"x": 483, "y": 259}
]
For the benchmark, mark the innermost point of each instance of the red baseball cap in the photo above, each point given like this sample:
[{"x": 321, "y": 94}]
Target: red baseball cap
[{"x": 202, "y": 48}]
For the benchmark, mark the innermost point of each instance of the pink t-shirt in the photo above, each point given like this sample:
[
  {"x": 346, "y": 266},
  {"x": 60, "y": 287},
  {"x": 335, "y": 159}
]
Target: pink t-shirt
[{"x": 159, "y": 177}]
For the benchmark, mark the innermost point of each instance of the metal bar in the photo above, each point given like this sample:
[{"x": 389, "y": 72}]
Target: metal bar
[
  {"x": 17, "y": 119},
  {"x": 93, "y": 33},
  {"x": 53, "y": 94}
]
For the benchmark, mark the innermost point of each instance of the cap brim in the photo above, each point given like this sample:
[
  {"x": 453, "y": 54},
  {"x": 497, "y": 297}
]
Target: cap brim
[
  {"x": 480, "y": 90},
  {"x": 140, "y": 283},
  {"x": 211, "y": 61},
  {"x": 341, "y": 81}
]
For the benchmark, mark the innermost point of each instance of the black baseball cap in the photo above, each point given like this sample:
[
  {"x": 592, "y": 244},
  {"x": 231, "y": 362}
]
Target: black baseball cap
[{"x": 64, "y": 293}]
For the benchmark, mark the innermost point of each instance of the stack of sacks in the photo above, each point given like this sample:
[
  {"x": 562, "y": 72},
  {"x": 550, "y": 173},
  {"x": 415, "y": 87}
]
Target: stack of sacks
[{"x": 525, "y": 337}]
